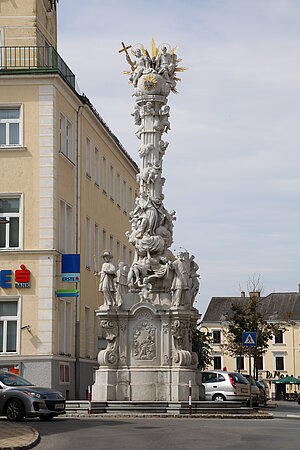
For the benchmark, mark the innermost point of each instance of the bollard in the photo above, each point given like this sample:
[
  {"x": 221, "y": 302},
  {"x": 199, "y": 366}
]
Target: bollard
[
  {"x": 190, "y": 397},
  {"x": 90, "y": 400}
]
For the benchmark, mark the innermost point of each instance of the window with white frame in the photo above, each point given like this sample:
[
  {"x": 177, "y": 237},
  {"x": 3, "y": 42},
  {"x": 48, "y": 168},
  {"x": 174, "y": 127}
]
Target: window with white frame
[
  {"x": 278, "y": 337},
  {"x": 130, "y": 199},
  {"x": 11, "y": 126},
  {"x": 64, "y": 326},
  {"x": 104, "y": 240},
  {"x": 65, "y": 227},
  {"x": 125, "y": 196},
  {"x": 96, "y": 246},
  {"x": 97, "y": 167},
  {"x": 279, "y": 361},
  {"x": 118, "y": 251},
  {"x": 112, "y": 183},
  {"x": 111, "y": 245},
  {"x": 11, "y": 208},
  {"x": 87, "y": 330},
  {"x": 104, "y": 174},
  {"x": 216, "y": 335},
  {"x": 66, "y": 137},
  {"x": 118, "y": 190},
  {"x": 240, "y": 362},
  {"x": 217, "y": 362},
  {"x": 124, "y": 254},
  {"x": 88, "y": 158},
  {"x": 88, "y": 252},
  {"x": 9, "y": 326},
  {"x": 260, "y": 362}
]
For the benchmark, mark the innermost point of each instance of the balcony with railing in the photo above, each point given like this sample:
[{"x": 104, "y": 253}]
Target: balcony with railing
[{"x": 34, "y": 59}]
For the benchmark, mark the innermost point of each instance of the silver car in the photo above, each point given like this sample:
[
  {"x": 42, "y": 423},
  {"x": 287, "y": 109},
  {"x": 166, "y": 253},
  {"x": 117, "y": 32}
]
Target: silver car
[
  {"x": 220, "y": 386},
  {"x": 19, "y": 398}
]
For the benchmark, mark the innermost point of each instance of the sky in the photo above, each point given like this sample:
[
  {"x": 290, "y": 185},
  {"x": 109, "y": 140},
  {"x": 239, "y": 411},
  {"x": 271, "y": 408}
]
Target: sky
[{"x": 233, "y": 163}]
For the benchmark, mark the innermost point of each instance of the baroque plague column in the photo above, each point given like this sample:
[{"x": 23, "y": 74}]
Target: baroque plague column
[{"x": 148, "y": 314}]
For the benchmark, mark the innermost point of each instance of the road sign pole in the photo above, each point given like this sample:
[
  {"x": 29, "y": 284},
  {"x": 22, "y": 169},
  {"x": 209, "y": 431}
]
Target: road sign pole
[{"x": 250, "y": 377}]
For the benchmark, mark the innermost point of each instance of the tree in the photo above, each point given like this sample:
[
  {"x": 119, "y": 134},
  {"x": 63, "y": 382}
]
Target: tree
[
  {"x": 201, "y": 344},
  {"x": 247, "y": 316}
]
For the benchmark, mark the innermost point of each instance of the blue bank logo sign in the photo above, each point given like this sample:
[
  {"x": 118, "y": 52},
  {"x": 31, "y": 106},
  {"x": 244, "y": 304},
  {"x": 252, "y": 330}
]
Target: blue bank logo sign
[
  {"x": 70, "y": 268},
  {"x": 249, "y": 339},
  {"x": 70, "y": 277}
]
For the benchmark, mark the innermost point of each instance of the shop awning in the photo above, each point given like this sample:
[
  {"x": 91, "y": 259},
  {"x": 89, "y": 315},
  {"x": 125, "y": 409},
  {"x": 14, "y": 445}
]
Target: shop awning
[{"x": 287, "y": 380}]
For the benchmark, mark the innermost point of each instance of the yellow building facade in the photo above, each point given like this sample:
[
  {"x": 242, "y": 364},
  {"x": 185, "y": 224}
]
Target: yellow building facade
[
  {"x": 282, "y": 357},
  {"x": 66, "y": 187}
]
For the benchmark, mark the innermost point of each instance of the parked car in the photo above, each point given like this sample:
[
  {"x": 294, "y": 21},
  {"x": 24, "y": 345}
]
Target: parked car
[
  {"x": 255, "y": 392},
  {"x": 220, "y": 386},
  {"x": 266, "y": 386},
  {"x": 19, "y": 398},
  {"x": 262, "y": 391}
]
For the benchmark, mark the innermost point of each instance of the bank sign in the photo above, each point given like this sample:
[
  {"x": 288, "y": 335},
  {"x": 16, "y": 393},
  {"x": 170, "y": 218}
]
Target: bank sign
[
  {"x": 70, "y": 268},
  {"x": 21, "y": 278}
]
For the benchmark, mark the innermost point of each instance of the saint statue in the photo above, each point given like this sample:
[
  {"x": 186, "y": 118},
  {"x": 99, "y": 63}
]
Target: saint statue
[
  {"x": 106, "y": 280},
  {"x": 121, "y": 282}
]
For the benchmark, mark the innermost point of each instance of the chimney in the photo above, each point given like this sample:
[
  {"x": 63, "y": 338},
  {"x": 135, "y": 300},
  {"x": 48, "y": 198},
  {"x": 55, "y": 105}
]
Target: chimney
[
  {"x": 255, "y": 294},
  {"x": 243, "y": 295}
]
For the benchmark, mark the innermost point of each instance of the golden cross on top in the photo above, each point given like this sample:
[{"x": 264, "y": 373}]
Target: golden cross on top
[{"x": 125, "y": 49}]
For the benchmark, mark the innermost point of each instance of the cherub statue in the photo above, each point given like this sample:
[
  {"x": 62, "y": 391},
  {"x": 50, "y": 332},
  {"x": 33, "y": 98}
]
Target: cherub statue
[
  {"x": 145, "y": 290},
  {"x": 136, "y": 115},
  {"x": 149, "y": 173},
  {"x": 163, "y": 147},
  {"x": 164, "y": 115},
  {"x": 147, "y": 110},
  {"x": 145, "y": 149}
]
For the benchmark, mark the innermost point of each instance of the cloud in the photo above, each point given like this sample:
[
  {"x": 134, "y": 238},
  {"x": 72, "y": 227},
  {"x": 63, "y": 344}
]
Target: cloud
[{"x": 232, "y": 166}]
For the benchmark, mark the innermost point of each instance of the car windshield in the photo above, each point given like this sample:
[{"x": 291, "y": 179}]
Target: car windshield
[
  {"x": 238, "y": 378},
  {"x": 9, "y": 379}
]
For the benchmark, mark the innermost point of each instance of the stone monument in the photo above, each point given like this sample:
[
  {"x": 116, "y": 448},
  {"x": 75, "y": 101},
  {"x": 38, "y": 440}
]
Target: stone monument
[{"x": 148, "y": 314}]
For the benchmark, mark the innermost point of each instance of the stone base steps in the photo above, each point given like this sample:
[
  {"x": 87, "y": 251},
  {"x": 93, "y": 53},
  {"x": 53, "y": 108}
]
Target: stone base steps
[{"x": 168, "y": 408}]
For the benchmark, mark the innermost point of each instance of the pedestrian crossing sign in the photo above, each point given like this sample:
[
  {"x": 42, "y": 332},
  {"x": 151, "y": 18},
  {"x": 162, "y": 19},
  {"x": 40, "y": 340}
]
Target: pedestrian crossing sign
[{"x": 249, "y": 339}]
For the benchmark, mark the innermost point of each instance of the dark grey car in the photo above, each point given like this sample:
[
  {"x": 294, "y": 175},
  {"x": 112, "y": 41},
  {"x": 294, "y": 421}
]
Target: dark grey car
[{"x": 19, "y": 398}]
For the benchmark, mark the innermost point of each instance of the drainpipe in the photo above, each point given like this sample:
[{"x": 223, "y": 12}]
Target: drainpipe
[{"x": 77, "y": 248}]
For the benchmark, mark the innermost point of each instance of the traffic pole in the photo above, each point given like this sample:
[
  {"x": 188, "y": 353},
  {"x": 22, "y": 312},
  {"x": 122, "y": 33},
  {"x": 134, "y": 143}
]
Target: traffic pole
[
  {"x": 250, "y": 377},
  {"x": 190, "y": 397},
  {"x": 90, "y": 400}
]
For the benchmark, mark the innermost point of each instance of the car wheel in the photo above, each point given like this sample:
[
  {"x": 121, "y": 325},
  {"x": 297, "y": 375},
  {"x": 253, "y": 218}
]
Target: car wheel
[
  {"x": 46, "y": 417},
  {"x": 15, "y": 410},
  {"x": 219, "y": 398}
]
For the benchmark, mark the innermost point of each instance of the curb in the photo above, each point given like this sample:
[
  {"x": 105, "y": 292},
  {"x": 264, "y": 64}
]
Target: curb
[
  {"x": 169, "y": 416},
  {"x": 32, "y": 443}
]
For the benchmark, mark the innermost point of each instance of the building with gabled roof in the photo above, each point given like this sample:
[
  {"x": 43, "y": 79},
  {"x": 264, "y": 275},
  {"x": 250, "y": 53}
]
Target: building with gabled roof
[{"x": 282, "y": 357}]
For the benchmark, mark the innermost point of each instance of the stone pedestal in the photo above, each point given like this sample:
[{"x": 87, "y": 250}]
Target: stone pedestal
[{"x": 148, "y": 357}]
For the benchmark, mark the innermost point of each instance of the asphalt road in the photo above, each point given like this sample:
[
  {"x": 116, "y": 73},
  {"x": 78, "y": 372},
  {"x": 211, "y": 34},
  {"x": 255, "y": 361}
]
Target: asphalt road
[
  {"x": 286, "y": 410},
  {"x": 168, "y": 434}
]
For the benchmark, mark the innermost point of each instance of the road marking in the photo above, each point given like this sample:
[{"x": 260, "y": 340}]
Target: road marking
[{"x": 294, "y": 416}]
